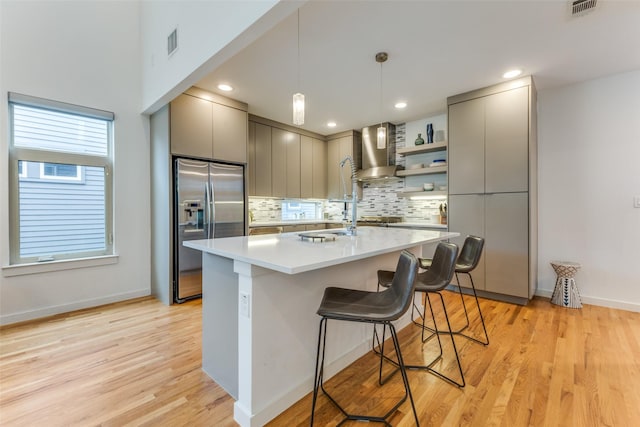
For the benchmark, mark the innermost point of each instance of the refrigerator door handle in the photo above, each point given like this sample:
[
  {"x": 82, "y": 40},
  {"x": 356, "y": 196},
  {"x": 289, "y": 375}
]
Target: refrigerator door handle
[
  {"x": 212, "y": 224},
  {"x": 207, "y": 216}
]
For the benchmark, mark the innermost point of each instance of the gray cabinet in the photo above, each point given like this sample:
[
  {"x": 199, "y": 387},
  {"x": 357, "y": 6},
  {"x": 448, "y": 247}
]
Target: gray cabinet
[
  {"x": 492, "y": 179},
  {"x": 491, "y": 148},
  {"x": 338, "y": 147},
  {"x": 313, "y": 170},
  {"x": 506, "y": 225},
  {"x": 467, "y": 216},
  {"x": 466, "y": 147},
  {"x": 191, "y": 127},
  {"x": 285, "y": 163},
  {"x": 206, "y": 129},
  {"x": 259, "y": 162},
  {"x": 229, "y": 133}
]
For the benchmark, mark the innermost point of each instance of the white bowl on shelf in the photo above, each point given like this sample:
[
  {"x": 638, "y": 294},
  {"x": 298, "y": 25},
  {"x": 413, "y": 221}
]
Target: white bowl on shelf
[
  {"x": 427, "y": 186},
  {"x": 416, "y": 166}
]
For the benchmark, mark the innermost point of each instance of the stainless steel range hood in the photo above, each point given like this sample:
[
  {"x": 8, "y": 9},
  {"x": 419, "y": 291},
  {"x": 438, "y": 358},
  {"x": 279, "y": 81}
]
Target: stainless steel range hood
[{"x": 378, "y": 163}]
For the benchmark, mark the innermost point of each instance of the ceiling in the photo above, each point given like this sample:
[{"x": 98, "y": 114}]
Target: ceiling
[{"x": 436, "y": 49}]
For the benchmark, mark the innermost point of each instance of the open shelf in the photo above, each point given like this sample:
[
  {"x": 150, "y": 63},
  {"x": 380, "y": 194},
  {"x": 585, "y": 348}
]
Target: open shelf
[
  {"x": 424, "y": 194},
  {"x": 422, "y": 171},
  {"x": 424, "y": 148}
]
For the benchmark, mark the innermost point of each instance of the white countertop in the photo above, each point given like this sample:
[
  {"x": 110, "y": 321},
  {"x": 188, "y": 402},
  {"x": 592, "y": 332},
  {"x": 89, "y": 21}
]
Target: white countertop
[{"x": 287, "y": 253}]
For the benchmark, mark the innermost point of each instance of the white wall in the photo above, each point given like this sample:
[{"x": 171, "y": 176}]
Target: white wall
[
  {"x": 85, "y": 53},
  {"x": 209, "y": 33},
  {"x": 589, "y": 172}
]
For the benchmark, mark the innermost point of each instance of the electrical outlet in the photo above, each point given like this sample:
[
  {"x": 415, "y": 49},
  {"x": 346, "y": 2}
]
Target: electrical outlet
[
  {"x": 244, "y": 304},
  {"x": 636, "y": 202}
]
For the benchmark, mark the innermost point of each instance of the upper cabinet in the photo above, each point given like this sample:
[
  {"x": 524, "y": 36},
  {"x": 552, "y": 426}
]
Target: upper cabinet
[
  {"x": 285, "y": 162},
  {"x": 191, "y": 127},
  {"x": 229, "y": 133},
  {"x": 259, "y": 164},
  {"x": 339, "y": 146},
  {"x": 313, "y": 171},
  {"x": 208, "y": 126},
  {"x": 489, "y": 148}
]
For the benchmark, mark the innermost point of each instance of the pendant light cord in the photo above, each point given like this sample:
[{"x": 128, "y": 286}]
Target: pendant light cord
[
  {"x": 381, "y": 115},
  {"x": 298, "y": 50}
]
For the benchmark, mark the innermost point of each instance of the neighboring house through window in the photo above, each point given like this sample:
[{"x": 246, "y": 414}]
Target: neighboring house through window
[{"x": 60, "y": 180}]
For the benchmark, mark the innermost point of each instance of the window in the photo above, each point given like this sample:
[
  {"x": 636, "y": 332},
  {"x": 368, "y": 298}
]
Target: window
[
  {"x": 60, "y": 171},
  {"x": 60, "y": 180},
  {"x": 295, "y": 209}
]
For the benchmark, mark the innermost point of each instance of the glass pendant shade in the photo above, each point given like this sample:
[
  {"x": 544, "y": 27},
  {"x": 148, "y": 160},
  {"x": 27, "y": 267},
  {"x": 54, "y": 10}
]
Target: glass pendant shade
[
  {"x": 382, "y": 138},
  {"x": 298, "y": 109}
]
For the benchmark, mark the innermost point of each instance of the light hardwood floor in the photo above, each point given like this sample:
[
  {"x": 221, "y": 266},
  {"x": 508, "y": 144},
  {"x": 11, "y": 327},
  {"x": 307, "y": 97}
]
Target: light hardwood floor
[{"x": 138, "y": 363}]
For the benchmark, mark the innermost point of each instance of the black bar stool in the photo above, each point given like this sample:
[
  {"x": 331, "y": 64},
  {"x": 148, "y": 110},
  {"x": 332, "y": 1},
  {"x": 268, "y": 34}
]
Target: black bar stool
[
  {"x": 382, "y": 308},
  {"x": 467, "y": 262},
  {"x": 432, "y": 281}
]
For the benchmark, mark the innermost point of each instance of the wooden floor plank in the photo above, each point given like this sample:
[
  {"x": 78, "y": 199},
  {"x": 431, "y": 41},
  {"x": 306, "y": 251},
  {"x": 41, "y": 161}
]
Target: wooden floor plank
[{"x": 138, "y": 363}]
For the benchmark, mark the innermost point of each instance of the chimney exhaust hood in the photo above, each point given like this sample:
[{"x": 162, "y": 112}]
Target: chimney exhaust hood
[{"x": 378, "y": 163}]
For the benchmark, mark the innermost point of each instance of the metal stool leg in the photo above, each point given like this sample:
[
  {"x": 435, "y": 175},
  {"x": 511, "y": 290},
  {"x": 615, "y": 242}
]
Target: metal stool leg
[
  {"x": 428, "y": 367},
  {"x": 464, "y": 306},
  {"x": 319, "y": 381}
]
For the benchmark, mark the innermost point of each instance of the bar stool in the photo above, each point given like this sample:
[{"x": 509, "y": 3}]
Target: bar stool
[
  {"x": 566, "y": 293},
  {"x": 432, "y": 281},
  {"x": 382, "y": 308},
  {"x": 467, "y": 262}
]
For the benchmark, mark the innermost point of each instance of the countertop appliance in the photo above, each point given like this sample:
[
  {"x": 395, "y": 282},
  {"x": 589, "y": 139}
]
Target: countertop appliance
[
  {"x": 209, "y": 202},
  {"x": 378, "y": 221}
]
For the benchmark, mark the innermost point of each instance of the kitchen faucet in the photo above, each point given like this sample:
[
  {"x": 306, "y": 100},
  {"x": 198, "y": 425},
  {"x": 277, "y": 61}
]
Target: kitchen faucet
[{"x": 351, "y": 229}]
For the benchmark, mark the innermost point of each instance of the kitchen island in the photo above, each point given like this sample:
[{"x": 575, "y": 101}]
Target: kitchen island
[{"x": 260, "y": 296}]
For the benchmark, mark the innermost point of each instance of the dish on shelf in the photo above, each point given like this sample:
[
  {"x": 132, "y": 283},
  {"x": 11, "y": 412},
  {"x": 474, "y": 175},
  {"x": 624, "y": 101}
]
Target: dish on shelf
[
  {"x": 442, "y": 188},
  {"x": 438, "y": 163},
  {"x": 417, "y": 166},
  {"x": 427, "y": 186}
]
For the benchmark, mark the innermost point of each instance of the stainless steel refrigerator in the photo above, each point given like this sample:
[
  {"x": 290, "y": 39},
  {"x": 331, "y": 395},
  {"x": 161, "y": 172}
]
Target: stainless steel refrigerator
[{"x": 209, "y": 202}]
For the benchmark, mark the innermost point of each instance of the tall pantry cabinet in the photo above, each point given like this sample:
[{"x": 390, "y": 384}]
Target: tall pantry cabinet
[{"x": 492, "y": 184}]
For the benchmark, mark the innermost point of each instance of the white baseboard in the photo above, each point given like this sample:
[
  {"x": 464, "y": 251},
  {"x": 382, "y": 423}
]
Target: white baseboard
[
  {"x": 7, "y": 319},
  {"x": 602, "y": 302}
]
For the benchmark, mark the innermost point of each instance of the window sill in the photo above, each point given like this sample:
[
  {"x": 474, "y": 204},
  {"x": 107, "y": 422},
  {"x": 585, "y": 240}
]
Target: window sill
[{"x": 66, "y": 264}]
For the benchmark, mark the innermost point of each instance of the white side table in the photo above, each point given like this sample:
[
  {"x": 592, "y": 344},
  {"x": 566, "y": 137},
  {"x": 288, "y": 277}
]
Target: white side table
[{"x": 566, "y": 292}]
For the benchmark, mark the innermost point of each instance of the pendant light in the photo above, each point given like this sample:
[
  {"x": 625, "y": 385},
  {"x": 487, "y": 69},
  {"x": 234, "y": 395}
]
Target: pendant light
[
  {"x": 382, "y": 131},
  {"x": 298, "y": 98}
]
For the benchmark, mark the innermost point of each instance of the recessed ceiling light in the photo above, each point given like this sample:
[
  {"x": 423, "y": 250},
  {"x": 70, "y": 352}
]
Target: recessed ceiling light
[
  {"x": 512, "y": 73},
  {"x": 331, "y": 124},
  {"x": 225, "y": 87},
  {"x": 401, "y": 105}
]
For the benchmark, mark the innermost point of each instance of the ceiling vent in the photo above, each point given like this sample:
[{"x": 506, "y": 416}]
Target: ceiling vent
[
  {"x": 172, "y": 42},
  {"x": 582, "y": 7}
]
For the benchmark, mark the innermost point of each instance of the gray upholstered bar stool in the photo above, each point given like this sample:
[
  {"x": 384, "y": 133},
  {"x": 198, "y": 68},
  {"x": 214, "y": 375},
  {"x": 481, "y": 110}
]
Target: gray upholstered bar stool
[
  {"x": 382, "y": 308},
  {"x": 433, "y": 281},
  {"x": 467, "y": 262}
]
